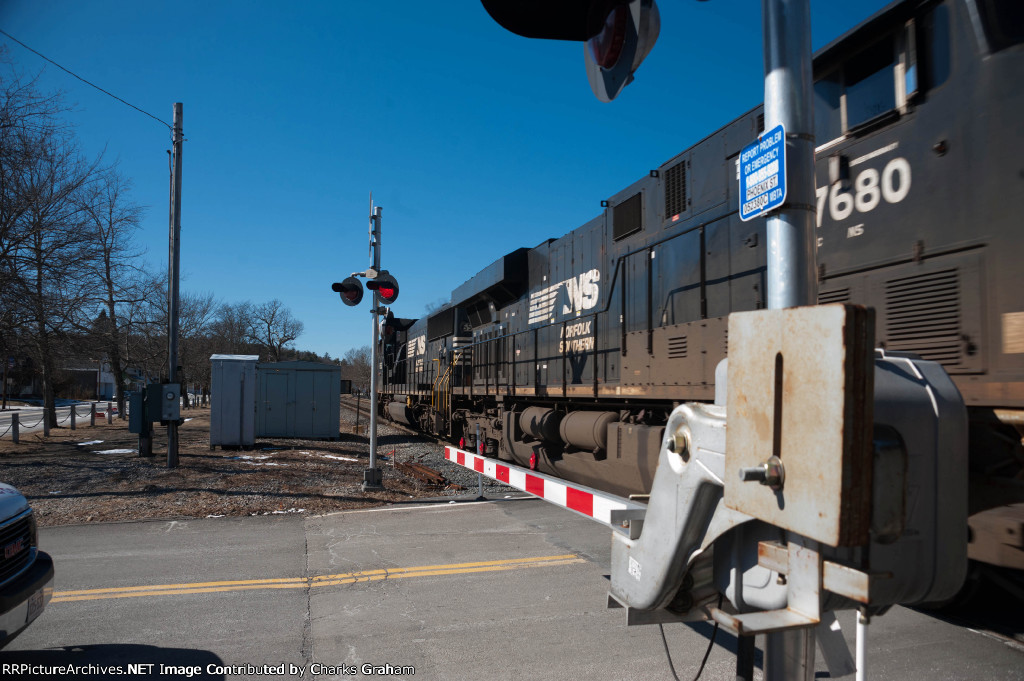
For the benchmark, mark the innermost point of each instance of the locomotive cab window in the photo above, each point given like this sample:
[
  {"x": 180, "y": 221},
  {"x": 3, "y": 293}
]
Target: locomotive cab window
[{"x": 871, "y": 87}]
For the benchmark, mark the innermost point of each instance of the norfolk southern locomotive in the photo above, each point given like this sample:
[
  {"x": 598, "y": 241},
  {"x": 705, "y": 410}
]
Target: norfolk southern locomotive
[{"x": 568, "y": 357}]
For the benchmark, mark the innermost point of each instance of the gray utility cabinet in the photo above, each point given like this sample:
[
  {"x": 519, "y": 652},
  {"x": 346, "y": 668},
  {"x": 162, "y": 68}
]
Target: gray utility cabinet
[
  {"x": 233, "y": 400},
  {"x": 299, "y": 399}
]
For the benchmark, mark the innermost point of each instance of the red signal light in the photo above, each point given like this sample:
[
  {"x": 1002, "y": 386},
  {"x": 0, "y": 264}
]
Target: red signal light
[
  {"x": 350, "y": 290},
  {"x": 606, "y": 46},
  {"x": 385, "y": 288}
]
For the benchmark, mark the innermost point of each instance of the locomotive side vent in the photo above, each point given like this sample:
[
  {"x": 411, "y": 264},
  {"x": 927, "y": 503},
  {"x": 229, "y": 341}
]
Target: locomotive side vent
[
  {"x": 677, "y": 347},
  {"x": 441, "y": 324},
  {"x": 839, "y": 295},
  {"x": 675, "y": 190},
  {"x": 760, "y": 124},
  {"x": 627, "y": 217},
  {"x": 923, "y": 316}
]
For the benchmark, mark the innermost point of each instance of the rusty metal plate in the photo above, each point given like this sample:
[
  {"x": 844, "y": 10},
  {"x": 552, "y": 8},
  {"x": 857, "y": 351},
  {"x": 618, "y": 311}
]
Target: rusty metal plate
[{"x": 800, "y": 388}]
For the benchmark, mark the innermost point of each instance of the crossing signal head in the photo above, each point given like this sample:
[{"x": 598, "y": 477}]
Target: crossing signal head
[
  {"x": 384, "y": 287},
  {"x": 619, "y": 34},
  {"x": 613, "y": 55},
  {"x": 350, "y": 290}
]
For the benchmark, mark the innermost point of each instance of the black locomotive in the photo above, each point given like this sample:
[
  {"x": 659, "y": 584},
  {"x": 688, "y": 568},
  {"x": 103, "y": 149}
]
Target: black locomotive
[{"x": 568, "y": 357}]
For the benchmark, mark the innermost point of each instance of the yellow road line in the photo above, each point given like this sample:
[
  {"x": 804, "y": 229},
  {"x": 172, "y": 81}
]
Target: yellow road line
[{"x": 322, "y": 580}]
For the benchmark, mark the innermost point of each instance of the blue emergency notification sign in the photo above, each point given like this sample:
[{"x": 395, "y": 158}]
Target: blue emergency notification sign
[{"x": 763, "y": 174}]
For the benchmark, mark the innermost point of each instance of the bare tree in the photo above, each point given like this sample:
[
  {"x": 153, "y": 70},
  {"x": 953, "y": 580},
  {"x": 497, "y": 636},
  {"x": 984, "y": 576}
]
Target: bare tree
[
  {"x": 27, "y": 117},
  {"x": 51, "y": 295},
  {"x": 144, "y": 325},
  {"x": 273, "y": 327},
  {"x": 360, "y": 366},
  {"x": 231, "y": 327},
  {"x": 194, "y": 320},
  {"x": 114, "y": 218}
]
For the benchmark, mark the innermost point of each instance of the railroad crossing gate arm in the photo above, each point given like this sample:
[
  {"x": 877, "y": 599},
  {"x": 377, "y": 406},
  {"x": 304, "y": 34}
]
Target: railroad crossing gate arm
[{"x": 623, "y": 516}]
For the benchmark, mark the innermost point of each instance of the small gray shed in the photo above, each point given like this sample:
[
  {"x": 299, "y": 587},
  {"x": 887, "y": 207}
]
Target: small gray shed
[
  {"x": 299, "y": 399},
  {"x": 233, "y": 400}
]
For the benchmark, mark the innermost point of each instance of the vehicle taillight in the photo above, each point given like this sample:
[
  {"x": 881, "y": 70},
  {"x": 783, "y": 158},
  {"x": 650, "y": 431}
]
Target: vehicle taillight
[{"x": 533, "y": 462}]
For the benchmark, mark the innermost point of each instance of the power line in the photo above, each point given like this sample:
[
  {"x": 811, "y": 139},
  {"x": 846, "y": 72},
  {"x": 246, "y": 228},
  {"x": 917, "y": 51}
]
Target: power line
[{"x": 110, "y": 94}]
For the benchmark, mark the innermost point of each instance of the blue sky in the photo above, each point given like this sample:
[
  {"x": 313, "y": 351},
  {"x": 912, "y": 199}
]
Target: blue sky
[{"x": 473, "y": 140}]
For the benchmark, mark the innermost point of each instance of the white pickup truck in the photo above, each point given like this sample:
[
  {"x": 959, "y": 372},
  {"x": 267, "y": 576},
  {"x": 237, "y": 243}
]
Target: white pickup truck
[{"x": 26, "y": 573}]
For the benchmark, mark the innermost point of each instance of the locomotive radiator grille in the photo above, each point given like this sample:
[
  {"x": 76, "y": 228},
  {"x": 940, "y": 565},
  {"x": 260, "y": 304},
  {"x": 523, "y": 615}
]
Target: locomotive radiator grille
[
  {"x": 675, "y": 190},
  {"x": 627, "y": 217},
  {"x": 923, "y": 316}
]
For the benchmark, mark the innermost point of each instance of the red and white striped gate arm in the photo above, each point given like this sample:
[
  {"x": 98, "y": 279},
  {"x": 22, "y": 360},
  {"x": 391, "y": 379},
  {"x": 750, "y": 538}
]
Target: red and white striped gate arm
[{"x": 618, "y": 513}]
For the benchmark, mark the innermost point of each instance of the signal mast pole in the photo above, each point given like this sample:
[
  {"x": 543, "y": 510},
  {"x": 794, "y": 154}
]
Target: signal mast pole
[
  {"x": 792, "y": 245},
  {"x": 372, "y": 479},
  {"x": 792, "y": 242}
]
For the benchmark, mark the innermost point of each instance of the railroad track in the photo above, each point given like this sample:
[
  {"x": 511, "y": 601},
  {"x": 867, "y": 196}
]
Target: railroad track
[{"x": 414, "y": 470}]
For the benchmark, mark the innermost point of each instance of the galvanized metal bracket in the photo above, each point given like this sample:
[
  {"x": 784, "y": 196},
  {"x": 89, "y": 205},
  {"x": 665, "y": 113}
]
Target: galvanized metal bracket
[
  {"x": 800, "y": 404},
  {"x": 685, "y": 514}
]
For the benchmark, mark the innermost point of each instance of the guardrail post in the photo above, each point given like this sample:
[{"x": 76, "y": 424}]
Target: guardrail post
[
  {"x": 110, "y": 415},
  {"x": 14, "y": 427},
  {"x": 74, "y": 416},
  {"x": 92, "y": 414}
]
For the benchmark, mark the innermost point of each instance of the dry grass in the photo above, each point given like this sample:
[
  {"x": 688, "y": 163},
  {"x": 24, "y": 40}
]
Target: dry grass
[{"x": 69, "y": 482}]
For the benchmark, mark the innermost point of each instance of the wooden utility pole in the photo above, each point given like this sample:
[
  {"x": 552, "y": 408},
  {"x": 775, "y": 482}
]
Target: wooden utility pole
[{"x": 174, "y": 258}]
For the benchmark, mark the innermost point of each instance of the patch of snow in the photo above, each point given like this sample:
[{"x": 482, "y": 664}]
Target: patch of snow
[
  {"x": 116, "y": 451},
  {"x": 90, "y": 442},
  {"x": 246, "y": 456}
]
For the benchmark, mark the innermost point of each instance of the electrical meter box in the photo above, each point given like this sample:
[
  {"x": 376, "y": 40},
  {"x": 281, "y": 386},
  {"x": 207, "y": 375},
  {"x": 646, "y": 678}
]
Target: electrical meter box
[{"x": 163, "y": 402}]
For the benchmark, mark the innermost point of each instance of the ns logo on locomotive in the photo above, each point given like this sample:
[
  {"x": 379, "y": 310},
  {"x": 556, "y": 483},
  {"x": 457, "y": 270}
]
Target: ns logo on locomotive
[{"x": 918, "y": 148}]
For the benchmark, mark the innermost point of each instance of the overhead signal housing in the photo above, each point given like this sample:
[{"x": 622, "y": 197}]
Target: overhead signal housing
[
  {"x": 619, "y": 34},
  {"x": 384, "y": 287},
  {"x": 351, "y": 291}
]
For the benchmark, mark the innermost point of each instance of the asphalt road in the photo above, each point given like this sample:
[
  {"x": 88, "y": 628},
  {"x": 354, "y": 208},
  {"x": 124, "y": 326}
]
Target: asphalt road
[
  {"x": 30, "y": 419},
  {"x": 506, "y": 590}
]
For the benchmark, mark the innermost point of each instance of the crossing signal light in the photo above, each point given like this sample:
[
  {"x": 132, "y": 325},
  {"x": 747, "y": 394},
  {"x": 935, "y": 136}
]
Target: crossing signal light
[
  {"x": 385, "y": 288},
  {"x": 619, "y": 34},
  {"x": 351, "y": 290},
  {"x": 614, "y": 54}
]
